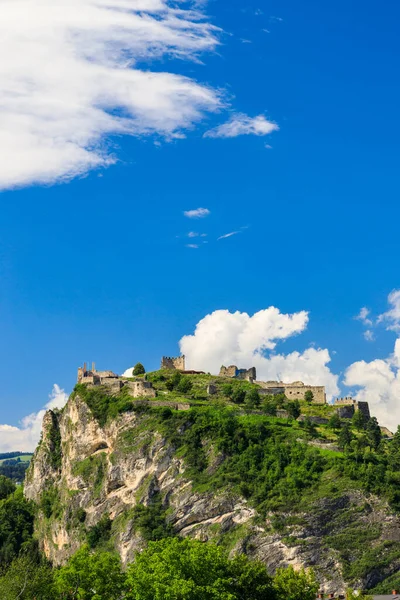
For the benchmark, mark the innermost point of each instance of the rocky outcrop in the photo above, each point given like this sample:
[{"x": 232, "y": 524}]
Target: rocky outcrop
[{"x": 91, "y": 471}]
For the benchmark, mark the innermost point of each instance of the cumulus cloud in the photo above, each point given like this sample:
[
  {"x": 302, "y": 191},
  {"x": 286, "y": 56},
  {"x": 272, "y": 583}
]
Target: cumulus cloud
[
  {"x": 241, "y": 124},
  {"x": 237, "y": 338},
  {"x": 379, "y": 383},
  {"x": 72, "y": 74},
  {"x": 26, "y": 437},
  {"x": 392, "y": 317},
  {"x": 197, "y": 213}
]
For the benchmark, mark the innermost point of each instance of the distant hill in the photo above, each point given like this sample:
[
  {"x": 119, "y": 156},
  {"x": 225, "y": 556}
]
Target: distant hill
[{"x": 14, "y": 464}]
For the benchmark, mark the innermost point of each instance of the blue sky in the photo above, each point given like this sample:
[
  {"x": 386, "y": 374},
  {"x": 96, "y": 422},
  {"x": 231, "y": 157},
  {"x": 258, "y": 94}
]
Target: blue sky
[{"x": 98, "y": 268}]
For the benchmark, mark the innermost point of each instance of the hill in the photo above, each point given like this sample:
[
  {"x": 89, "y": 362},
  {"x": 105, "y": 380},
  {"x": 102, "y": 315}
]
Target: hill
[{"x": 117, "y": 472}]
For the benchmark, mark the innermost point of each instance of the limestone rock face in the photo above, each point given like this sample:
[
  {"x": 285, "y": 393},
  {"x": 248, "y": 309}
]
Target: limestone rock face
[{"x": 94, "y": 471}]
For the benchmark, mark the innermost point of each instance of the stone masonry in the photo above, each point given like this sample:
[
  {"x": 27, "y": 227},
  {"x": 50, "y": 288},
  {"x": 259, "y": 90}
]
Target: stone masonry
[
  {"x": 177, "y": 364},
  {"x": 293, "y": 391},
  {"x": 346, "y": 407},
  {"x": 235, "y": 373}
]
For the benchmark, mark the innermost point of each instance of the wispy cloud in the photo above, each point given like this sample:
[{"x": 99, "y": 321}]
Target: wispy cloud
[
  {"x": 369, "y": 335},
  {"x": 71, "y": 79},
  {"x": 197, "y": 213},
  {"x": 241, "y": 124},
  {"x": 391, "y": 318},
  {"x": 227, "y": 235},
  {"x": 192, "y": 245},
  {"x": 363, "y": 316}
]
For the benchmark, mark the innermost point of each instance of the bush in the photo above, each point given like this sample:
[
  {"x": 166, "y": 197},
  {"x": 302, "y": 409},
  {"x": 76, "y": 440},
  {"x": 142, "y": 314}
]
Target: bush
[
  {"x": 99, "y": 533},
  {"x": 239, "y": 395},
  {"x": 185, "y": 385},
  {"x": 252, "y": 398}
]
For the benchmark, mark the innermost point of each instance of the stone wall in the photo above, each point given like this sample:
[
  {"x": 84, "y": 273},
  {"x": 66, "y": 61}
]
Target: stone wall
[
  {"x": 293, "y": 391},
  {"x": 177, "y": 363},
  {"x": 235, "y": 373},
  {"x": 139, "y": 389}
]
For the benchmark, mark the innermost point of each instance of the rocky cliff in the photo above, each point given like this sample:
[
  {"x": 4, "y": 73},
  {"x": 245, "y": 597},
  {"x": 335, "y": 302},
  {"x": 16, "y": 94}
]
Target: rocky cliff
[{"x": 84, "y": 472}]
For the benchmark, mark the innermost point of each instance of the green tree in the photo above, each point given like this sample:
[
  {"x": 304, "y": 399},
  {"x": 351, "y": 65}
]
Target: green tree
[
  {"x": 184, "y": 386},
  {"x": 252, "y": 398},
  {"x": 138, "y": 369},
  {"x": 90, "y": 576},
  {"x": 359, "y": 421},
  {"x": 293, "y": 408},
  {"x": 16, "y": 526},
  {"x": 239, "y": 395},
  {"x": 27, "y": 579},
  {"x": 176, "y": 569},
  {"x": 7, "y": 487},
  {"x": 345, "y": 436},
  {"x": 309, "y": 396},
  {"x": 295, "y": 585},
  {"x": 227, "y": 390},
  {"x": 373, "y": 432},
  {"x": 334, "y": 422}
]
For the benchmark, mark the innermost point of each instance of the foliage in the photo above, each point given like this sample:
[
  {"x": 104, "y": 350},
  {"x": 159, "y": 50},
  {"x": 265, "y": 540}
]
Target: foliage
[
  {"x": 27, "y": 578},
  {"x": 100, "y": 533},
  {"x": 345, "y": 436},
  {"x": 150, "y": 520},
  {"x": 55, "y": 454},
  {"x": 16, "y": 526},
  {"x": 295, "y": 585},
  {"x": 334, "y": 422},
  {"x": 309, "y": 396},
  {"x": 293, "y": 408},
  {"x": 50, "y": 502},
  {"x": 184, "y": 386},
  {"x": 102, "y": 404},
  {"x": 16, "y": 472},
  {"x": 359, "y": 420},
  {"x": 90, "y": 576},
  {"x": 253, "y": 398},
  {"x": 7, "y": 487},
  {"x": 238, "y": 395},
  {"x": 174, "y": 569},
  {"x": 138, "y": 369}
]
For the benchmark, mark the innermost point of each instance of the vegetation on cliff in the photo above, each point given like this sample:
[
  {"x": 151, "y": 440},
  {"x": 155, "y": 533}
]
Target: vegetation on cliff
[{"x": 318, "y": 477}]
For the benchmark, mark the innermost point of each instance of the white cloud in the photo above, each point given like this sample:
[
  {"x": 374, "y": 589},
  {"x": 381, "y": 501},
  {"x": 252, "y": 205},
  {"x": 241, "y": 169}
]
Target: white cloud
[
  {"x": 193, "y": 234},
  {"x": 363, "y": 316},
  {"x": 72, "y": 74},
  {"x": 26, "y": 437},
  {"x": 237, "y": 338},
  {"x": 197, "y": 213},
  {"x": 192, "y": 245},
  {"x": 392, "y": 316},
  {"x": 369, "y": 335},
  {"x": 379, "y": 381},
  {"x": 227, "y": 235},
  {"x": 241, "y": 124}
]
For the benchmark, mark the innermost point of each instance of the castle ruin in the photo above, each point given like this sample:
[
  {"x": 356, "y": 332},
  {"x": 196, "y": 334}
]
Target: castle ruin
[
  {"x": 176, "y": 364},
  {"x": 235, "y": 373},
  {"x": 293, "y": 391},
  {"x": 346, "y": 407},
  {"x": 114, "y": 383}
]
